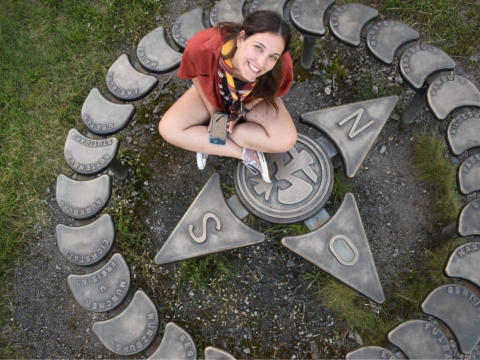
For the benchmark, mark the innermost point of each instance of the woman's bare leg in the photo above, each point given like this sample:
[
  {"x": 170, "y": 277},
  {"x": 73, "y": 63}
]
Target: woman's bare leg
[
  {"x": 185, "y": 125},
  {"x": 265, "y": 130}
]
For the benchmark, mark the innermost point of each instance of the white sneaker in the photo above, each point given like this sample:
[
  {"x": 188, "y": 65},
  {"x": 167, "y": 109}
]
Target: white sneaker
[
  {"x": 256, "y": 163},
  {"x": 201, "y": 160}
]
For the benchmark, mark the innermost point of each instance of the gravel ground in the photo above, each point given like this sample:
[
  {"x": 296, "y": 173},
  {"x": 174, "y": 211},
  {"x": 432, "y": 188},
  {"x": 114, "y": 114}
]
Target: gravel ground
[{"x": 265, "y": 310}]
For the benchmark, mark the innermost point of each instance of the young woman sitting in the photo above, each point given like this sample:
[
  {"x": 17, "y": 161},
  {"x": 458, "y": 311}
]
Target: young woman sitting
[{"x": 241, "y": 70}]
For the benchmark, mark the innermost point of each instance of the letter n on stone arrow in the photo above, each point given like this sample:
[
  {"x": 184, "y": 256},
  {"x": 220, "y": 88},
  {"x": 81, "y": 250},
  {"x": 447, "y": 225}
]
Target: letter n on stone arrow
[
  {"x": 340, "y": 248},
  {"x": 353, "y": 128},
  {"x": 213, "y": 225}
]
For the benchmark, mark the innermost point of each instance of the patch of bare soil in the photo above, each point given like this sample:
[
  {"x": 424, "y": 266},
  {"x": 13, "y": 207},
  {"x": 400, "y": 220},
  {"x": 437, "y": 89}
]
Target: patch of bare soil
[{"x": 265, "y": 309}]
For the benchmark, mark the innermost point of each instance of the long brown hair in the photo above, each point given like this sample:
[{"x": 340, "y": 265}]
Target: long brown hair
[{"x": 260, "y": 22}]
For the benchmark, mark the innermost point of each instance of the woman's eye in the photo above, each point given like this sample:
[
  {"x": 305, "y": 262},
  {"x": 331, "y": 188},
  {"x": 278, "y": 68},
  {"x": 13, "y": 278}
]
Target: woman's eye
[
  {"x": 274, "y": 58},
  {"x": 259, "y": 47}
]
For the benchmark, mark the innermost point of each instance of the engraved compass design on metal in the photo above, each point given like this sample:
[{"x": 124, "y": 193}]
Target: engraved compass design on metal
[{"x": 302, "y": 181}]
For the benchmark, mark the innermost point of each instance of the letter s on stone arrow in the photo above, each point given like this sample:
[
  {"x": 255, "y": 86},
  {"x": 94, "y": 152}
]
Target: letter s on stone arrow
[{"x": 207, "y": 216}]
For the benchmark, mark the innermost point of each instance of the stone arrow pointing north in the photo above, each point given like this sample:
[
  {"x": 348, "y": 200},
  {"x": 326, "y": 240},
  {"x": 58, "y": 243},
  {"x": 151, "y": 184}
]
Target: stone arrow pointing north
[
  {"x": 208, "y": 227},
  {"x": 340, "y": 248},
  {"x": 353, "y": 128}
]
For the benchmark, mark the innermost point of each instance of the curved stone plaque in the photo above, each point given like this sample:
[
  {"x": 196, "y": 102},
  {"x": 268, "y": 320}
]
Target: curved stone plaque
[
  {"x": 419, "y": 339},
  {"x": 468, "y": 175},
  {"x": 83, "y": 200},
  {"x": 103, "y": 117},
  {"x": 187, "y": 25},
  {"x": 458, "y": 307},
  {"x": 88, "y": 156},
  {"x": 227, "y": 10},
  {"x": 307, "y": 16},
  {"x": 469, "y": 219},
  {"x": 300, "y": 185},
  {"x": 133, "y": 330},
  {"x": 104, "y": 289},
  {"x": 353, "y": 128},
  {"x": 273, "y": 5},
  {"x": 87, "y": 245},
  {"x": 350, "y": 261},
  {"x": 464, "y": 263},
  {"x": 213, "y": 353},
  {"x": 126, "y": 83},
  {"x": 464, "y": 132},
  {"x": 208, "y": 227},
  {"x": 385, "y": 37},
  {"x": 154, "y": 53},
  {"x": 419, "y": 61},
  {"x": 176, "y": 344},
  {"x": 451, "y": 92},
  {"x": 347, "y": 22},
  {"x": 370, "y": 353}
]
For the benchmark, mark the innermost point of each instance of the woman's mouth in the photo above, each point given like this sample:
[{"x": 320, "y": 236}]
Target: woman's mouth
[{"x": 253, "y": 68}]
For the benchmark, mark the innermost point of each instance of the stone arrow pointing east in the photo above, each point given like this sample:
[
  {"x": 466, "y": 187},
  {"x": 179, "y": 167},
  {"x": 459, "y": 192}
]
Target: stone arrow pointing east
[
  {"x": 340, "y": 248},
  {"x": 208, "y": 227},
  {"x": 353, "y": 128}
]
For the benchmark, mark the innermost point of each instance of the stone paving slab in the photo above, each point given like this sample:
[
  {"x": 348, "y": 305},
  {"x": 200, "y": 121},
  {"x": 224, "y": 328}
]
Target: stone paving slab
[
  {"x": 419, "y": 61},
  {"x": 450, "y": 92},
  {"x": 273, "y": 5},
  {"x": 420, "y": 339},
  {"x": 370, "y": 353},
  {"x": 348, "y": 20},
  {"x": 340, "y": 248},
  {"x": 87, "y": 245},
  {"x": 469, "y": 219},
  {"x": 154, "y": 53},
  {"x": 463, "y": 132},
  {"x": 176, "y": 344},
  {"x": 385, "y": 37},
  {"x": 126, "y": 83},
  {"x": 187, "y": 25},
  {"x": 458, "y": 308},
  {"x": 308, "y": 15},
  {"x": 104, "y": 289},
  {"x": 227, "y": 10},
  {"x": 82, "y": 200},
  {"x": 208, "y": 227},
  {"x": 464, "y": 263},
  {"x": 88, "y": 156},
  {"x": 213, "y": 353},
  {"x": 353, "y": 139},
  {"x": 132, "y": 331},
  {"x": 468, "y": 175},
  {"x": 302, "y": 181},
  {"x": 103, "y": 117}
]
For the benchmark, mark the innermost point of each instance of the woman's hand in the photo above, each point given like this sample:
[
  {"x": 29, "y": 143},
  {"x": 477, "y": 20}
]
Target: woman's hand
[{"x": 231, "y": 124}]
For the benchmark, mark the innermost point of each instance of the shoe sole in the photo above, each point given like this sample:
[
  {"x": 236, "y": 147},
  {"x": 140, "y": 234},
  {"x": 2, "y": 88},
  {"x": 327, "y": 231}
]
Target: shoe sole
[
  {"x": 263, "y": 164},
  {"x": 200, "y": 162}
]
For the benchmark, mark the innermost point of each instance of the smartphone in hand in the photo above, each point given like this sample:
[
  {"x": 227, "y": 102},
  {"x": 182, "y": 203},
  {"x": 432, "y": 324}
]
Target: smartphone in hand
[{"x": 218, "y": 128}]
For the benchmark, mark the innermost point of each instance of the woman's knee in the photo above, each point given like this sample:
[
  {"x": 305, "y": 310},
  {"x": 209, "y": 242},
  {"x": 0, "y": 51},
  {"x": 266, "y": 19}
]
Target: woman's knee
[
  {"x": 166, "y": 129},
  {"x": 286, "y": 141}
]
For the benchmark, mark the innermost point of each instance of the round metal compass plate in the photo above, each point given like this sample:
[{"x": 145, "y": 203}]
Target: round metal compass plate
[{"x": 302, "y": 180}]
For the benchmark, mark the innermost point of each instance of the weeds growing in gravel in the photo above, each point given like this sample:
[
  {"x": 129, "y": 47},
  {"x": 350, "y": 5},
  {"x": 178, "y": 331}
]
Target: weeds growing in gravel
[
  {"x": 434, "y": 169},
  {"x": 199, "y": 272}
]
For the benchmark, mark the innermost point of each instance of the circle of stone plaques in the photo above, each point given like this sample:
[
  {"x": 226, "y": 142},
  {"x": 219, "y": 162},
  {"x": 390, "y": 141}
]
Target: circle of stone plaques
[{"x": 302, "y": 180}]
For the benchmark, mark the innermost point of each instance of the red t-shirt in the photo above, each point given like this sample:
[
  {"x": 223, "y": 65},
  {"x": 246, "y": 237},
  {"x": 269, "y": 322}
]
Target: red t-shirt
[{"x": 201, "y": 57}]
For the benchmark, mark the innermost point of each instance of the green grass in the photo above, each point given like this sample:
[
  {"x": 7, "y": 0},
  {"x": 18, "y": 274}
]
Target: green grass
[
  {"x": 434, "y": 169},
  {"x": 364, "y": 89},
  {"x": 449, "y": 25},
  {"x": 199, "y": 273},
  {"x": 340, "y": 187},
  {"x": 52, "y": 54}
]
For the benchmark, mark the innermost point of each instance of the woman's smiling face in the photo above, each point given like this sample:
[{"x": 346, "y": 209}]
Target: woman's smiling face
[{"x": 256, "y": 54}]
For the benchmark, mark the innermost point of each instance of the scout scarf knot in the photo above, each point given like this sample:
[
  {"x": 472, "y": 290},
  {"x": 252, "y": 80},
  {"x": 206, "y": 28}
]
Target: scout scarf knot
[{"x": 231, "y": 97}]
